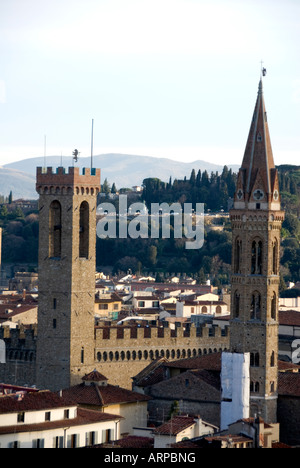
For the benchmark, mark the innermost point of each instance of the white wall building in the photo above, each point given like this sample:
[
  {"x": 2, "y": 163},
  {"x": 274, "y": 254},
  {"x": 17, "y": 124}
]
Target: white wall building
[{"x": 45, "y": 420}]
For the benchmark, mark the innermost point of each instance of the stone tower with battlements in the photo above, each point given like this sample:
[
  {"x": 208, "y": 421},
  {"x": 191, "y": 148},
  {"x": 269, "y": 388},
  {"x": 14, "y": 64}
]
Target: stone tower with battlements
[
  {"x": 256, "y": 220},
  {"x": 67, "y": 261}
]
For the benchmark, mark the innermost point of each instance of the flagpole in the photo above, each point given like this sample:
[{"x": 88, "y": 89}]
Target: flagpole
[{"x": 92, "y": 144}]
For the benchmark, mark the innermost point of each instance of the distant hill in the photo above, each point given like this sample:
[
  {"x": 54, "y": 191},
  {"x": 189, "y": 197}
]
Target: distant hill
[
  {"x": 20, "y": 183},
  {"x": 122, "y": 169}
]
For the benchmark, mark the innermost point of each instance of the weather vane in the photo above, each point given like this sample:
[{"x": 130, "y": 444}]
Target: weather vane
[
  {"x": 75, "y": 155},
  {"x": 263, "y": 70}
]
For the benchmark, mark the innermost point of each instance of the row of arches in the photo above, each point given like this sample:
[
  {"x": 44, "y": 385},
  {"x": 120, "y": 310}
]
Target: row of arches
[
  {"x": 67, "y": 190},
  {"x": 146, "y": 355},
  {"x": 255, "y": 359},
  {"x": 257, "y": 256},
  {"x": 19, "y": 355},
  {"x": 255, "y": 306},
  {"x": 55, "y": 229},
  {"x": 255, "y": 387}
]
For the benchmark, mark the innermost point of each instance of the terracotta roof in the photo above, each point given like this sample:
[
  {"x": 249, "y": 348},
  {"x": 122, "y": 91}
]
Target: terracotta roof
[
  {"x": 134, "y": 442},
  {"x": 94, "y": 376},
  {"x": 32, "y": 402},
  {"x": 15, "y": 309},
  {"x": 230, "y": 438},
  {"x": 289, "y": 317},
  {"x": 284, "y": 366},
  {"x": 175, "y": 425},
  {"x": 207, "y": 361},
  {"x": 102, "y": 396},
  {"x": 151, "y": 374},
  {"x": 289, "y": 384}
]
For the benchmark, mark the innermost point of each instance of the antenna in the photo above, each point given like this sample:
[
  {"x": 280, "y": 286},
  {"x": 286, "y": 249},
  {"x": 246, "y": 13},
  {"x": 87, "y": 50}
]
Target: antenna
[
  {"x": 92, "y": 143},
  {"x": 45, "y": 145}
]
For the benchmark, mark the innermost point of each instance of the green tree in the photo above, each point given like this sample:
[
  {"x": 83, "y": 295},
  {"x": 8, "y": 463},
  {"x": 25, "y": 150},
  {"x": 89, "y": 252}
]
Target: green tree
[
  {"x": 106, "y": 187},
  {"x": 3, "y": 212},
  {"x": 152, "y": 255}
]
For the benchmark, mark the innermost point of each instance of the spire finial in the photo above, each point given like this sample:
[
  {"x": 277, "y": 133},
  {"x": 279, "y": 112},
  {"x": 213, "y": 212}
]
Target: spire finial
[{"x": 263, "y": 71}]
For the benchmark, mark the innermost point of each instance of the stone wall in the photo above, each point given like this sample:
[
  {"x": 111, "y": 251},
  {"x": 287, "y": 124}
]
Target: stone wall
[
  {"x": 120, "y": 352},
  {"x": 123, "y": 352},
  {"x": 20, "y": 367}
]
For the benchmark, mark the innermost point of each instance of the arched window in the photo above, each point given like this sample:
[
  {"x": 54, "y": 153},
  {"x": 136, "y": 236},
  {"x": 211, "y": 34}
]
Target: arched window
[
  {"x": 272, "y": 360},
  {"x": 237, "y": 256},
  {"x": 275, "y": 257},
  {"x": 84, "y": 230},
  {"x": 274, "y": 307},
  {"x": 55, "y": 230},
  {"x": 256, "y": 258},
  {"x": 236, "y": 305},
  {"x": 255, "y": 309}
]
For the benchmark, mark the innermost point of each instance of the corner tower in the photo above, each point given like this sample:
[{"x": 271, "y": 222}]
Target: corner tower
[
  {"x": 67, "y": 260},
  {"x": 256, "y": 220}
]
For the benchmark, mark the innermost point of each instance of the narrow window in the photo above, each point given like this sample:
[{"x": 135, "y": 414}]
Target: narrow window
[
  {"x": 55, "y": 230},
  {"x": 254, "y": 359},
  {"x": 84, "y": 230},
  {"x": 259, "y": 258},
  {"x": 275, "y": 258},
  {"x": 274, "y": 306},
  {"x": 21, "y": 417},
  {"x": 237, "y": 256},
  {"x": 272, "y": 360},
  {"x": 236, "y": 307},
  {"x": 272, "y": 387},
  {"x": 255, "y": 309},
  {"x": 82, "y": 356},
  {"x": 256, "y": 258}
]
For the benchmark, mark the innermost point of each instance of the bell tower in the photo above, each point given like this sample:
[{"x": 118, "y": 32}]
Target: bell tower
[
  {"x": 67, "y": 261},
  {"x": 256, "y": 220}
]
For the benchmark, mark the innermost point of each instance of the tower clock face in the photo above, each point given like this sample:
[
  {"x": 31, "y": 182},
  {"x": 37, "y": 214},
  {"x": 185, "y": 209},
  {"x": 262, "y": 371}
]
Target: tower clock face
[
  {"x": 258, "y": 194},
  {"x": 276, "y": 195},
  {"x": 240, "y": 194}
]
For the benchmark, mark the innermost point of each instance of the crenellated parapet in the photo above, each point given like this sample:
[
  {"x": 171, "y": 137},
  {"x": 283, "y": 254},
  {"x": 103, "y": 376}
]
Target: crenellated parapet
[
  {"x": 20, "y": 343},
  {"x": 60, "y": 181},
  {"x": 116, "y": 348}
]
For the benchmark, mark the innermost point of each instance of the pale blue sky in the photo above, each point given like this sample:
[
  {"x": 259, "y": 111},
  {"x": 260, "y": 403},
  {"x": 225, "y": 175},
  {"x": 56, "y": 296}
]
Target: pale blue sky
[{"x": 167, "y": 78}]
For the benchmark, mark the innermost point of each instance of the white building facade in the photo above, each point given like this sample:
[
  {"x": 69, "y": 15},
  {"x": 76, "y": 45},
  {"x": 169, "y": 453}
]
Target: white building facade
[{"x": 45, "y": 420}]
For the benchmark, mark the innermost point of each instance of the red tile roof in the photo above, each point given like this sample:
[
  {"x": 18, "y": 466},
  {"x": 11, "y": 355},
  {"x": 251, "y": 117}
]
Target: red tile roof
[
  {"x": 43, "y": 400},
  {"x": 102, "y": 395},
  {"x": 289, "y": 384},
  {"x": 210, "y": 361},
  {"x": 94, "y": 376},
  {"x": 175, "y": 425},
  {"x": 289, "y": 317}
]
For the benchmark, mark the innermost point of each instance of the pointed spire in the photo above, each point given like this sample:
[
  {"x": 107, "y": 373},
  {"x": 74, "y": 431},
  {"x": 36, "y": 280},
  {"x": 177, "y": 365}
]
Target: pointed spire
[{"x": 257, "y": 178}]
